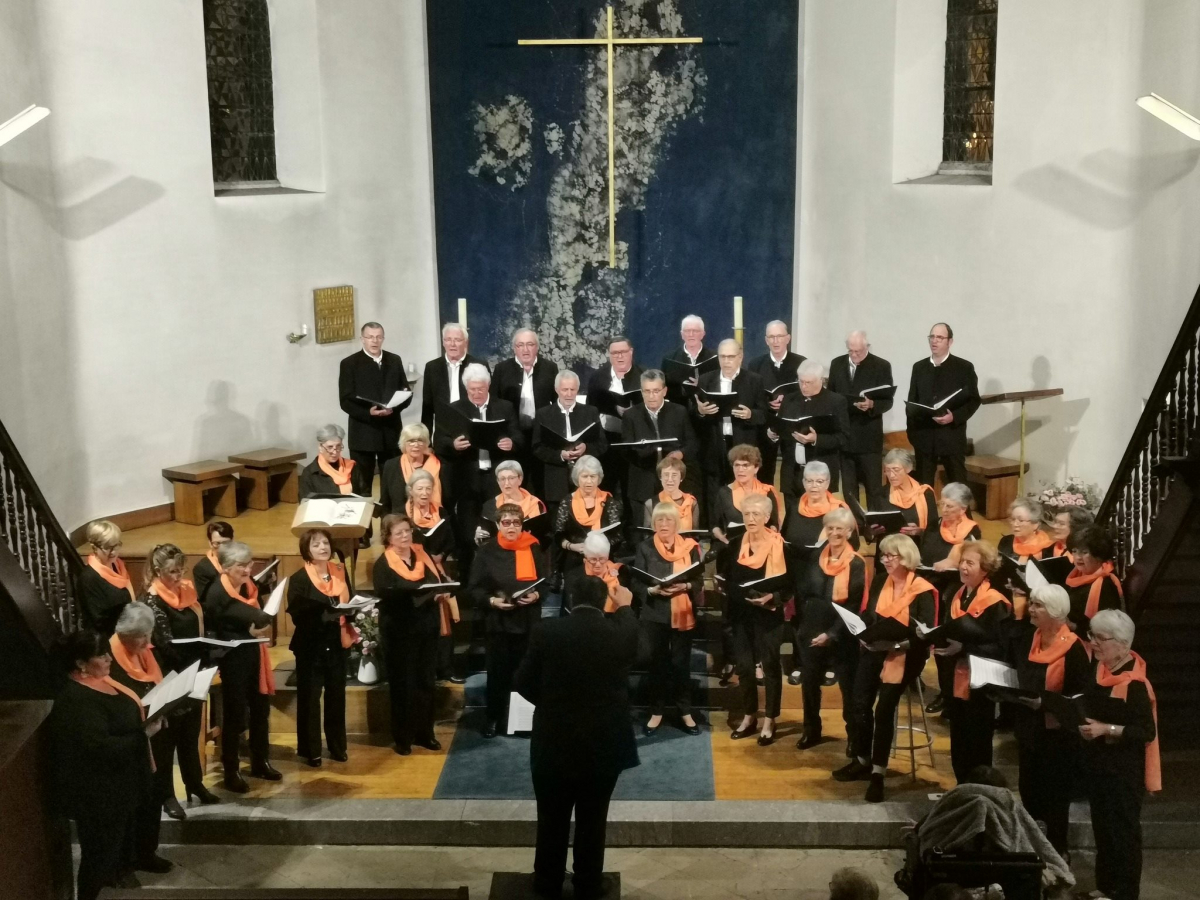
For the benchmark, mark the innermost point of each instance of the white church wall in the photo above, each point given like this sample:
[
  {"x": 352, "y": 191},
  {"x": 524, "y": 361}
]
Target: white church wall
[
  {"x": 182, "y": 300},
  {"x": 1072, "y": 270}
]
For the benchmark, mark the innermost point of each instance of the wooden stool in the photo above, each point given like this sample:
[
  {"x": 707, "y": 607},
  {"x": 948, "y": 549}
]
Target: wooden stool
[
  {"x": 993, "y": 480},
  {"x": 259, "y": 468},
  {"x": 194, "y": 480}
]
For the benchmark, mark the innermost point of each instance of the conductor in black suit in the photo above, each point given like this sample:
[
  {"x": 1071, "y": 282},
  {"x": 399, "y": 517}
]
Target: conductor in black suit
[
  {"x": 374, "y": 431},
  {"x": 443, "y": 380},
  {"x": 800, "y": 445},
  {"x": 942, "y": 438},
  {"x": 576, "y": 673},
  {"x": 775, "y": 367},
  {"x": 566, "y": 416},
  {"x": 619, "y": 373},
  {"x": 720, "y": 433},
  {"x": 526, "y": 380},
  {"x": 862, "y": 456},
  {"x": 655, "y": 418}
]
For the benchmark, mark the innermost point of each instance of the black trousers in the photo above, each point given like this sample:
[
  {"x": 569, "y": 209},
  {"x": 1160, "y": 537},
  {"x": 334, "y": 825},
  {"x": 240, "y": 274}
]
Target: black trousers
[
  {"x": 558, "y": 793},
  {"x": 411, "y": 661},
  {"x": 468, "y": 508},
  {"x": 183, "y": 736},
  {"x": 1048, "y": 759},
  {"x": 865, "y": 469},
  {"x": 927, "y": 463},
  {"x": 106, "y": 845},
  {"x": 945, "y": 675},
  {"x": 365, "y": 466},
  {"x": 1117, "y": 826},
  {"x": 875, "y": 706},
  {"x": 241, "y": 703},
  {"x": 841, "y": 658},
  {"x": 504, "y": 654},
  {"x": 756, "y": 639},
  {"x": 324, "y": 670},
  {"x": 669, "y": 675},
  {"x": 972, "y": 728}
]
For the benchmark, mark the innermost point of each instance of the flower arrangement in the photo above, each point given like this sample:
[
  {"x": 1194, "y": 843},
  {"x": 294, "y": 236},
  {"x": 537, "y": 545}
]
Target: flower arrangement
[
  {"x": 366, "y": 624},
  {"x": 1073, "y": 492}
]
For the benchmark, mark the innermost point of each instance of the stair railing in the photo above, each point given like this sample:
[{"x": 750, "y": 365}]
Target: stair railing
[{"x": 37, "y": 540}]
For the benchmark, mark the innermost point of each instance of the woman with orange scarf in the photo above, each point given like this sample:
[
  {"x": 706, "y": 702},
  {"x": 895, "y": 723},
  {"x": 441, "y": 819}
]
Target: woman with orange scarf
[
  {"x": 411, "y": 622},
  {"x": 395, "y": 474},
  {"x": 505, "y": 566},
  {"x": 668, "y": 616},
  {"x": 759, "y": 626},
  {"x": 597, "y": 562},
  {"x": 902, "y": 492},
  {"x": 1062, "y": 523},
  {"x": 745, "y": 460},
  {"x": 232, "y": 611},
  {"x": 972, "y": 714},
  {"x": 178, "y": 615},
  {"x": 510, "y": 477},
  {"x": 320, "y": 642},
  {"x": 588, "y": 509},
  {"x": 330, "y": 472},
  {"x": 104, "y": 585},
  {"x": 432, "y": 532},
  {"x": 1120, "y": 751},
  {"x": 1028, "y": 540},
  {"x": 100, "y": 763},
  {"x": 838, "y": 577},
  {"x": 886, "y": 668},
  {"x": 1093, "y": 584},
  {"x": 671, "y": 472},
  {"x": 207, "y": 569},
  {"x": 1049, "y": 657},
  {"x": 942, "y": 541}
]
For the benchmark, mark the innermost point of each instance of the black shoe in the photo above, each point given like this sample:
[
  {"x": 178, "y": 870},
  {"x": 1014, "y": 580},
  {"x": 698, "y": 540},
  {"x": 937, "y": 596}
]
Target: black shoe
[
  {"x": 340, "y": 756},
  {"x": 155, "y": 864},
  {"x": 265, "y": 771},
  {"x": 236, "y": 783},
  {"x": 875, "y": 789},
  {"x": 364, "y": 542},
  {"x": 489, "y": 731},
  {"x": 766, "y": 740},
  {"x": 726, "y": 675},
  {"x": 403, "y": 751},
  {"x": 936, "y": 705},
  {"x": 172, "y": 808},
  {"x": 689, "y": 729},
  {"x": 830, "y": 679},
  {"x": 794, "y": 678},
  {"x": 457, "y": 679},
  {"x": 204, "y": 795},
  {"x": 313, "y": 761},
  {"x": 852, "y": 771},
  {"x": 808, "y": 740},
  {"x": 430, "y": 744},
  {"x": 738, "y": 733},
  {"x": 650, "y": 732}
]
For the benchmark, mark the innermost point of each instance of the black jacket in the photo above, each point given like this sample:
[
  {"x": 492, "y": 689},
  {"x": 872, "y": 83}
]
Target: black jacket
[
  {"x": 314, "y": 481},
  {"x": 655, "y": 607},
  {"x": 826, "y": 449},
  {"x": 313, "y": 632},
  {"x": 404, "y": 612},
  {"x": 435, "y": 386},
  {"x": 673, "y": 421},
  {"x": 815, "y": 605},
  {"x": 393, "y": 490},
  {"x": 930, "y": 384},
  {"x": 493, "y": 572},
  {"x": 360, "y": 376},
  {"x": 548, "y": 449},
  {"x": 205, "y": 573},
  {"x": 749, "y": 388},
  {"x": 764, "y": 367},
  {"x": 865, "y": 431},
  {"x": 228, "y": 618},
  {"x": 507, "y": 379},
  {"x": 736, "y": 574},
  {"x": 102, "y": 603},
  {"x": 576, "y": 672},
  {"x": 464, "y": 475},
  {"x": 674, "y": 385},
  {"x": 601, "y": 382}
]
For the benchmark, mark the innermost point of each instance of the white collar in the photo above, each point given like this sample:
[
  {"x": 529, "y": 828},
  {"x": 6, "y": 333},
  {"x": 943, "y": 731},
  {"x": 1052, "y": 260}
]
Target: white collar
[
  {"x": 731, "y": 377},
  {"x": 564, "y": 410},
  {"x": 779, "y": 362},
  {"x": 532, "y": 365},
  {"x": 936, "y": 363},
  {"x": 454, "y": 362},
  {"x": 378, "y": 360}
]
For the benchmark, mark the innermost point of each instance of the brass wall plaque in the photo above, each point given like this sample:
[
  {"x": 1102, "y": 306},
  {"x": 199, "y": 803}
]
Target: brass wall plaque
[{"x": 333, "y": 309}]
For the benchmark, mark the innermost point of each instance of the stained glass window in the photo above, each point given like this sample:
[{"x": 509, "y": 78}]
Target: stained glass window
[
  {"x": 241, "y": 106},
  {"x": 970, "y": 83}
]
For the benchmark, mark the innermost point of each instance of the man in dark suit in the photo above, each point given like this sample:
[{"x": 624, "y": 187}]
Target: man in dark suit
[
  {"x": 576, "y": 674},
  {"x": 443, "y": 376},
  {"x": 798, "y": 444},
  {"x": 719, "y": 433},
  {"x": 862, "y": 457},
  {"x": 693, "y": 351},
  {"x": 472, "y": 468},
  {"x": 656, "y": 418},
  {"x": 775, "y": 367},
  {"x": 941, "y": 437},
  {"x": 526, "y": 380},
  {"x": 620, "y": 373},
  {"x": 561, "y": 419}
]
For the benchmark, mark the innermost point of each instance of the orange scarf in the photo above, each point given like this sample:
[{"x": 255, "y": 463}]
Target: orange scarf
[
  {"x": 839, "y": 571},
  {"x": 530, "y": 505},
  {"x": 756, "y": 487},
  {"x": 421, "y": 563},
  {"x": 816, "y": 510},
  {"x": 892, "y": 607},
  {"x": 683, "y": 617},
  {"x": 769, "y": 555},
  {"x": 140, "y": 666},
  {"x": 212, "y": 558},
  {"x": 610, "y": 577},
  {"x": 423, "y": 520},
  {"x": 95, "y": 684},
  {"x": 526, "y": 567},
  {"x": 589, "y": 520},
  {"x": 1054, "y": 658},
  {"x": 686, "y": 506},
  {"x": 335, "y": 587},
  {"x": 1120, "y": 690},
  {"x": 340, "y": 475},
  {"x": 115, "y": 574},
  {"x": 1035, "y": 545},
  {"x": 959, "y": 532},
  {"x": 1060, "y": 549},
  {"x": 984, "y": 598},
  {"x": 266, "y": 676},
  {"x": 432, "y": 465},
  {"x": 1096, "y": 580},
  {"x": 184, "y": 599},
  {"x": 907, "y": 496}
]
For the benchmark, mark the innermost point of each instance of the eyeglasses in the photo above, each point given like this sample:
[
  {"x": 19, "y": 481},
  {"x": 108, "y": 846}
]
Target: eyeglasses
[
  {"x": 330, "y": 448},
  {"x": 1097, "y": 639},
  {"x": 886, "y": 556},
  {"x": 511, "y": 523}
]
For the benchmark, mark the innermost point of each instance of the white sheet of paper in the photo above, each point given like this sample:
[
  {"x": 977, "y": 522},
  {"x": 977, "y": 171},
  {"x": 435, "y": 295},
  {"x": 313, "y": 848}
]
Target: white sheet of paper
[
  {"x": 878, "y": 387},
  {"x": 204, "y": 680},
  {"x": 181, "y": 684},
  {"x": 276, "y": 599},
  {"x": 358, "y": 602},
  {"x": 946, "y": 400},
  {"x": 520, "y": 714},
  {"x": 398, "y": 398},
  {"x": 986, "y": 671},
  {"x": 854, "y": 624},
  {"x": 1034, "y": 577}
]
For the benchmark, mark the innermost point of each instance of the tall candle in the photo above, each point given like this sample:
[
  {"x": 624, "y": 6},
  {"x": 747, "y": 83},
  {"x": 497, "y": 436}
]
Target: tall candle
[
  {"x": 737, "y": 312},
  {"x": 462, "y": 311}
]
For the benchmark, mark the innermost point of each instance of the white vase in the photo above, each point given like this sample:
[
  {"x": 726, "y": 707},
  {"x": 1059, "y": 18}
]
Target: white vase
[{"x": 367, "y": 674}]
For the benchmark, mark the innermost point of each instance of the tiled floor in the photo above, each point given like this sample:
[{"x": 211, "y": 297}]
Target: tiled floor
[{"x": 650, "y": 874}]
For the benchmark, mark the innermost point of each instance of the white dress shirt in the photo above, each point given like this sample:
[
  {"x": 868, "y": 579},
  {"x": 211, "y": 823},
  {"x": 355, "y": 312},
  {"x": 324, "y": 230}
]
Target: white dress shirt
[
  {"x": 727, "y": 388},
  {"x": 613, "y": 423},
  {"x": 453, "y": 369},
  {"x": 378, "y": 360},
  {"x": 485, "y": 458},
  {"x": 527, "y": 407}
]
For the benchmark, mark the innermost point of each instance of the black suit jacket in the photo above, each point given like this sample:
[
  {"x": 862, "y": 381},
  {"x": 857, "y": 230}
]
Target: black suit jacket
[
  {"x": 360, "y": 376},
  {"x": 549, "y": 450},
  {"x": 576, "y": 672},
  {"x": 435, "y": 386},
  {"x": 828, "y": 446},
  {"x": 506, "y": 383},
  {"x": 601, "y": 381},
  {"x": 928, "y": 385},
  {"x": 465, "y": 474},
  {"x": 750, "y": 391},
  {"x": 673, "y": 421},
  {"x": 865, "y": 434},
  {"x": 674, "y": 385},
  {"x": 764, "y": 368}
]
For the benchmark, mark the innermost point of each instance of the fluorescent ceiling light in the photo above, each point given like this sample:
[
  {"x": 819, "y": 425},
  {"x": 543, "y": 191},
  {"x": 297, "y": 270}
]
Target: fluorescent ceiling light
[{"x": 1171, "y": 114}]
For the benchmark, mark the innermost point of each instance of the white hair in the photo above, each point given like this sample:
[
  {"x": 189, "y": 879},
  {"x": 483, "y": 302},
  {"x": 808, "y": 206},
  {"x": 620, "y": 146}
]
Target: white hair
[
  {"x": 817, "y": 468},
  {"x": 1114, "y": 624},
  {"x": 727, "y": 342},
  {"x": 329, "y": 432},
  {"x": 860, "y": 334},
  {"x": 1055, "y": 599},
  {"x": 509, "y": 465},
  {"x": 420, "y": 475},
  {"x": 596, "y": 545},
  {"x": 586, "y": 464},
  {"x": 959, "y": 493},
  {"x": 900, "y": 456},
  {"x": 477, "y": 372},
  {"x": 451, "y": 326},
  {"x": 695, "y": 320},
  {"x": 521, "y": 331},
  {"x": 136, "y": 619},
  {"x": 810, "y": 368},
  {"x": 233, "y": 553},
  {"x": 773, "y": 322},
  {"x": 565, "y": 375}
]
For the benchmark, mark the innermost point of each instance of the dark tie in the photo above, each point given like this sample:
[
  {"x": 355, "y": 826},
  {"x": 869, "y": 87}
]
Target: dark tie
[{"x": 657, "y": 433}]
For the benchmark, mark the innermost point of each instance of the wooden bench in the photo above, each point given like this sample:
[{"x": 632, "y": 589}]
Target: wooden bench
[
  {"x": 260, "y": 469},
  {"x": 194, "y": 480},
  {"x": 993, "y": 480}
]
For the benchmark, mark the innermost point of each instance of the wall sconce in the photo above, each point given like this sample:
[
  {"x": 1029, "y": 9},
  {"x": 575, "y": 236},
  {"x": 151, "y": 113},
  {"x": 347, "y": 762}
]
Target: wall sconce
[{"x": 296, "y": 337}]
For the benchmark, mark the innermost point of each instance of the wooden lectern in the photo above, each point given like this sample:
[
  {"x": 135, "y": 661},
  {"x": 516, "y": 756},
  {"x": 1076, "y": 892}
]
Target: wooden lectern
[
  {"x": 346, "y": 518},
  {"x": 1021, "y": 397}
]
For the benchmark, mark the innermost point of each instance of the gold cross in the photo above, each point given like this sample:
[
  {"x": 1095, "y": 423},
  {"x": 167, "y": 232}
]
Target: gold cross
[{"x": 609, "y": 42}]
